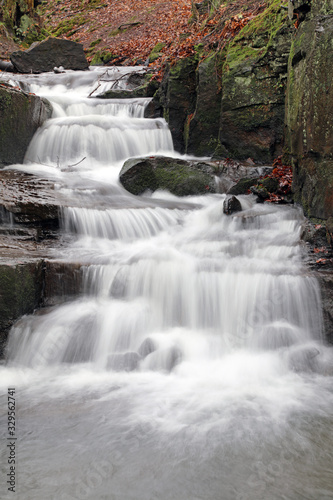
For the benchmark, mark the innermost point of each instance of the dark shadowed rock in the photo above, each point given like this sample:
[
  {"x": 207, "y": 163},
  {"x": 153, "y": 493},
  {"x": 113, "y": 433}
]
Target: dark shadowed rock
[
  {"x": 231, "y": 205},
  {"x": 62, "y": 281},
  {"x": 242, "y": 186},
  {"x": 235, "y": 178},
  {"x": 50, "y": 53},
  {"x": 180, "y": 177},
  {"x": 325, "y": 280},
  {"x": 20, "y": 293},
  {"x": 177, "y": 97},
  {"x": 6, "y": 66},
  {"x": 21, "y": 114}
]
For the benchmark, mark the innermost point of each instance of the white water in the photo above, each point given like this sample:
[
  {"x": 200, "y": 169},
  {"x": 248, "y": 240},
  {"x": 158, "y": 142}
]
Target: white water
[{"x": 193, "y": 367}]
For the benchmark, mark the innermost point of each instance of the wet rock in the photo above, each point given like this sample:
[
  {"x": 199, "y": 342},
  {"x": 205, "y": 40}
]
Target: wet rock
[
  {"x": 231, "y": 173},
  {"x": 147, "y": 347},
  {"x": 20, "y": 293},
  {"x": 6, "y": 66},
  {"x": 29, "y": 199},
  {"x": 21, "y": 115},
  {"x": 50, "y": 53},
  {"x": 127, "y": 362},
  {"x": 180, "y": 177},
  {"x": 231, "y": 205},
  {"x": 62, "y": 282}
]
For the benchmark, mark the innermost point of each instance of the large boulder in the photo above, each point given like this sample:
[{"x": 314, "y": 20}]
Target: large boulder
[
  {"x": 180, "y": 177},
  {"x": 309, "y": 116},
  {"x": 21, "y": 115},
  {"x": 51, "y": 52}
]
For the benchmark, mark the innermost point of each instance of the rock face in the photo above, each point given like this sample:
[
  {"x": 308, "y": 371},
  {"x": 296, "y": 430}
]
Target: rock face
[
  {"x": 177, "y": 98},
  {"x": 21, "y": 115},
  {"x": 325, "y": 279},
  {"x": 232, "y": 102},
  {"x": 180, "y": 177},
  {"x": 45, "y": 55},
  {"x": 20, "y": 293},
  {"x": 253, "y": 91},
  {"x": 309, "y": 115},
  {"x": 202, "y": 127}
]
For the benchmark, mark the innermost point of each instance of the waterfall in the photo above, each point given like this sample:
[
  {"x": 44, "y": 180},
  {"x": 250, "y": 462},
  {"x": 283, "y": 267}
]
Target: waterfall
[{"x": 193, "y": 365}]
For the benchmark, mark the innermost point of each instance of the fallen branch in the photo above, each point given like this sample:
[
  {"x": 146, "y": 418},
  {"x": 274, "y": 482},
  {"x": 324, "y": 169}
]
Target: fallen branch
[
  {"x": 100, "y": 79},
  {"x": 74, "y": 164}
]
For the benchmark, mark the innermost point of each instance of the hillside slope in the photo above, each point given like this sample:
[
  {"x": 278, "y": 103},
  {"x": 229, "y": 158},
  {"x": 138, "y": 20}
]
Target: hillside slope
[{"x": 126, "y": 33}]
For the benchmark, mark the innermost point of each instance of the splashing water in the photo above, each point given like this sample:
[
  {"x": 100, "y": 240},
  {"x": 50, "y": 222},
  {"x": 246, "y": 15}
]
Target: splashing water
[{"x": 193, "y": 365}]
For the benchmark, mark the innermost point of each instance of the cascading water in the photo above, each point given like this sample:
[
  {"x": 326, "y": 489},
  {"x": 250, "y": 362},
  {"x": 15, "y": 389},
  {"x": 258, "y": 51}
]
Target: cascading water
[{"x": 193, "y": 366}]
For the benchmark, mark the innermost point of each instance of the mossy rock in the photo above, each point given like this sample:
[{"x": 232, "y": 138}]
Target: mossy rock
[
  {"x": 270, "y": 184},
  {"x": 101, "y": 58},
  {"x": 242, "y": 186},
  {"x": 180, "y": 177},
  {"x": 156, "y": 52},
  {"x": 253, "y": 86}
]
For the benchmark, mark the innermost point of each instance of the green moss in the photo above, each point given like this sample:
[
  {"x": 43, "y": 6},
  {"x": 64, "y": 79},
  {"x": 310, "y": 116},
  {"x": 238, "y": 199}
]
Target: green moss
[
  {"x": 101, "y": 58},
  {"x": 253, "y": 41},
  {"x": 95, "y": 42},
  {"x": 156, "y": 52},
  {"x": 271, "y": 185},
  {"x": 69, "y": 26},
  {"x": 116, "y": 32}
]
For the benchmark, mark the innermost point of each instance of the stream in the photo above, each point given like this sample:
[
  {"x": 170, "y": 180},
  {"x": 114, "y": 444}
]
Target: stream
[{"x": 193, "y": 367}]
